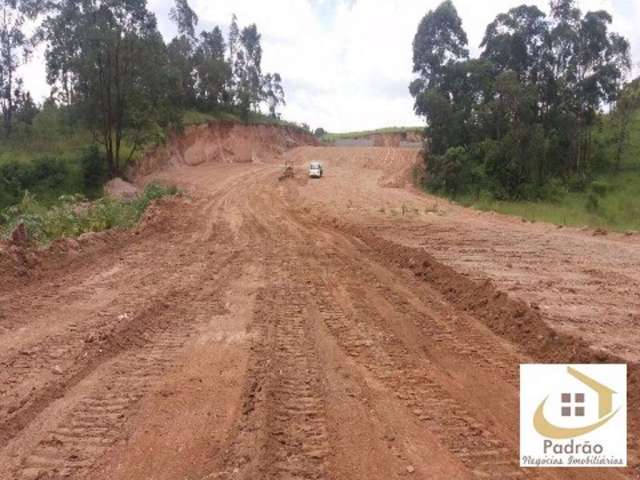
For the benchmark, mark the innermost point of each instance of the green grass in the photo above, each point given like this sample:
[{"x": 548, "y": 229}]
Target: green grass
[
  {"x": 331, "y": 137},
  {"x": 73, "y": 216},
  {"x": 62, "y": 144},
  {"x": 195, "y": 117},
  {"x": 618, "y": 209}
]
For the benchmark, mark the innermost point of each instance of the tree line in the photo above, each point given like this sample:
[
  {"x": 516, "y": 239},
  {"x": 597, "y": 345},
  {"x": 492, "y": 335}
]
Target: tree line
[
  {"x": 520, "y": 117},
  {"x": 111, "y": 71}
]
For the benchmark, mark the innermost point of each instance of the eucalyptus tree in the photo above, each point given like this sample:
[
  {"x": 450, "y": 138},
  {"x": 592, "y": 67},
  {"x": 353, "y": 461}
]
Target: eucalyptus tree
[
  {"x": 213, "y": 70},
  {"x": 524, "y": 111},
  {"x": 14, "y": 50},
  {"x": 273, "y": 92},
  {"x": 439, "y": 47},
  {"x": 112, "y": 58},
  {"x": 249, "y": 70},
  {"x": 181, "y": 51}
]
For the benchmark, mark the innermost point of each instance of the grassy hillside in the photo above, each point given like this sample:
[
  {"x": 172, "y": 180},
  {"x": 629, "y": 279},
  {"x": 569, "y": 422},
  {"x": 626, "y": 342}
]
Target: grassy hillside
[
  {"x": 612, "y": 201},
  {"x": 330, "y": 137},
  {"x": 194, "y": 117}
]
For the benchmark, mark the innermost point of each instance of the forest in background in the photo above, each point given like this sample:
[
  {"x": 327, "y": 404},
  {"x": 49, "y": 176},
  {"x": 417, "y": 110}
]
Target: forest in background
[{"x": 543, "y": 114}]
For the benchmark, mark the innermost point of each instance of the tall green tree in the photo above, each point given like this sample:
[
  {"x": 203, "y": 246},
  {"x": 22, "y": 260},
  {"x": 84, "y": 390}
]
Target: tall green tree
[
  {"x": 249, "y": 70},
  {"x": 518, "y": 41},
  {"x": 185, "y": 19},
  {"x": 627, "y": 105},
  {"x": 235, "y": 63},
  {"x": 14, "y": 49},
  {"x": 439, "y": 42},
  {"x": 213, "y": 71},
  {"x": 116, "y": 64},
  {"x": 182, "y": 51},
  {"x": 273, "y": 92}
]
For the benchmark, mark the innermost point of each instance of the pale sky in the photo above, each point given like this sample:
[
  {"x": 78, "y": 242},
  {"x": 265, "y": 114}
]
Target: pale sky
[{"x": 346, "y": 64}]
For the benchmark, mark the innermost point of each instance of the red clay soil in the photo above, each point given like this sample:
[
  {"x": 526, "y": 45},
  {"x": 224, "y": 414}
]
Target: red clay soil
[
  {"x": 265, "y": 329},
  {"x": 223, "y": 142}
]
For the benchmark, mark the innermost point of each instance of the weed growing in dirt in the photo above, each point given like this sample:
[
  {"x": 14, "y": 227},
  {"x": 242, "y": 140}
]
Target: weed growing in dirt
[{"x": 74, "y": 215}]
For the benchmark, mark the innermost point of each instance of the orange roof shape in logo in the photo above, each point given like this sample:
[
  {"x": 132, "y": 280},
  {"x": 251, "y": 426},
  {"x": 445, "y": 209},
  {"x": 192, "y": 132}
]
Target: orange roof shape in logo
[
  {"x": 605, "y": 394},
  {"x": 605, "y": 407}
]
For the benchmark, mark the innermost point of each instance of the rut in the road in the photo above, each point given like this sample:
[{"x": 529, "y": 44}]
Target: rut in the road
[{"x": 282, "y": 432}]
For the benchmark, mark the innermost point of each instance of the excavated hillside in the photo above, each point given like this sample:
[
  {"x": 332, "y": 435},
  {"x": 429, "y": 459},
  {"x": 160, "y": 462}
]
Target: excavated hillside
[
  {"x": 223, "y": 142},
  {"x": 344, "y": 328}
]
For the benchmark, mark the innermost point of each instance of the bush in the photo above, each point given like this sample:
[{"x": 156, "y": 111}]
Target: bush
[
  {"x": 93, "y": 166},
  {"x": 447, "y": 172},
  {"x": 13, "y": 175},
  {"x": 554, "y": 190},
  {"x": 46, "y": 176},
  {"x": 70, "y": 218},
  {"x": 577, "y": 183}
]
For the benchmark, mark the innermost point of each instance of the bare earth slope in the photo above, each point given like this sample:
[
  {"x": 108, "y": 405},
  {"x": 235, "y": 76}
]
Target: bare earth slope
[{"x": 346, "y": 328}]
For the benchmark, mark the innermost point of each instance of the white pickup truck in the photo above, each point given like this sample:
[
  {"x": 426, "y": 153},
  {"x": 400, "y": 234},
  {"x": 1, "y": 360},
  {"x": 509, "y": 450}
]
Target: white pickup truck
[{"x": 315, "y": 170}]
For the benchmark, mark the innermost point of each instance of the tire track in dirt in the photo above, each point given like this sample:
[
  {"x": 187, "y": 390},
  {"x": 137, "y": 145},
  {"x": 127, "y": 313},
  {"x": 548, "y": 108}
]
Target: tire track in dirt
[
  {"x": 413, "y": 383},
  {"x": 48, "y": 363},
  {"x": 30, "y": 379},
  {"x": 93, "y": 424},
  {"x": 366, "y": 337},
  {"x": 282, "y": 432},
  {"x": 284, "y": 401}
]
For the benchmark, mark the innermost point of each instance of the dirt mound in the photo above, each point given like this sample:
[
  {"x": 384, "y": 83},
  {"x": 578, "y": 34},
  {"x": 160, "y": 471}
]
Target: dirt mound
[
  {"x": 222, "y": 142},
  {"x": 513, "y": 319},
  {"x": 121, "y": 190}
]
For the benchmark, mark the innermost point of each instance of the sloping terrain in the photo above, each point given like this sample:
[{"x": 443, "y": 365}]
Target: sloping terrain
[
  {"x": 222, "y": 142},
  {"x": 342, "y": 328}
]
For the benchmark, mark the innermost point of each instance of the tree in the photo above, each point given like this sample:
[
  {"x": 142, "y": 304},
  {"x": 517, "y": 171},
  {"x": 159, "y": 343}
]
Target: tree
[
  {"x": 25, "y": 109},
  {"x": 524, "y": 111},
  {"x": 273, "y": 92},
  {"x": 518, "y": 41},
  {"x": 628, "y": 103},
  {"x": 117, "y": 66},
  {"x": 249, "y": 70},
  {"x": 438, "y": 46},
  {"x": 439, "y": 42},
  {"x": 182, "y": 65},
  {"x": 14, "y": 49},
  {"x": 213, "y": 71},
  {"x": 185, "y": 18},
  {"x": 181, "y": 51},
  {"x": 234, "y": 51}
]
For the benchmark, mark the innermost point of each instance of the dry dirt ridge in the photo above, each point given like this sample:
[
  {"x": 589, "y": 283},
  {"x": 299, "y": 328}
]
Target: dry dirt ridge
[{"x": 256, "y": 328}]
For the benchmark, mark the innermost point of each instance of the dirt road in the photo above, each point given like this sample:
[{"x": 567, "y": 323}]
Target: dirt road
[{"x": 347, "y": 328}]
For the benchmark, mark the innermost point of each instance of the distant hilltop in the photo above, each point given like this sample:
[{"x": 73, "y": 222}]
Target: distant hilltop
[{"x": 384, "y": 137}]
